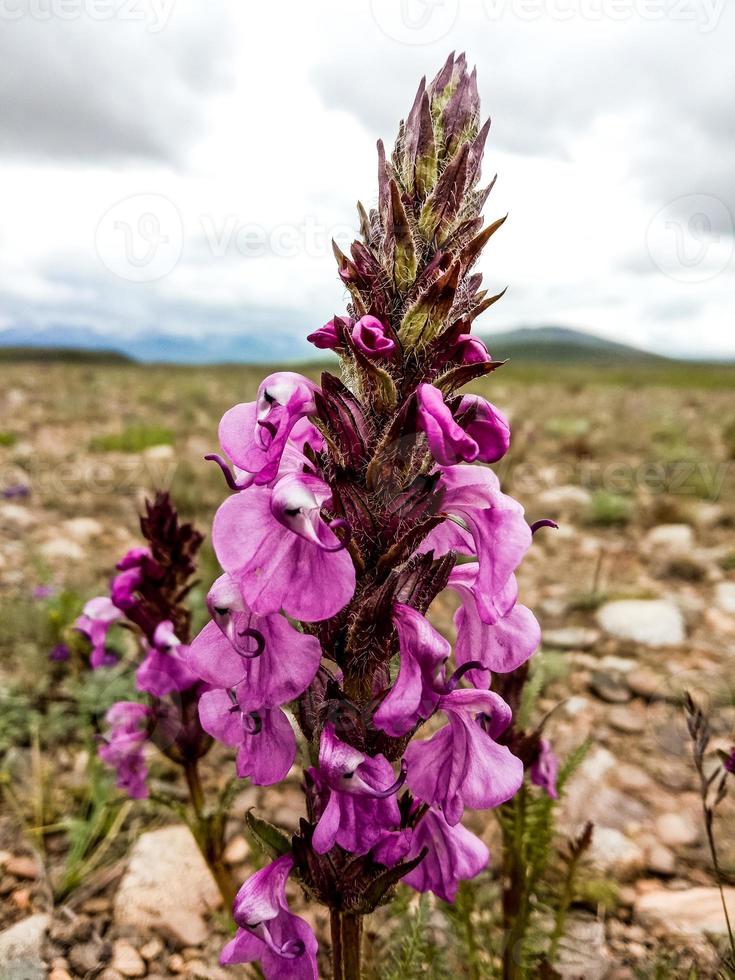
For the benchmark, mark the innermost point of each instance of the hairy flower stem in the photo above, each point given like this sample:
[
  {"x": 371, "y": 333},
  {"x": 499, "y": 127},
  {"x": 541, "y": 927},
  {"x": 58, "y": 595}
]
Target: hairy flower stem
[
  {"x": 564, "y": 902},
  {"x": 515, "y": 890},
  {"x": 346, "y": 945},
  {"x": 209, "y": 834}
]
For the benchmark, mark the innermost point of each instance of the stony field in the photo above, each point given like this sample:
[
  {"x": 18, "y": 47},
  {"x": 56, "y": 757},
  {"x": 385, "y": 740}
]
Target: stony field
[{"x": 635, "y": 592}]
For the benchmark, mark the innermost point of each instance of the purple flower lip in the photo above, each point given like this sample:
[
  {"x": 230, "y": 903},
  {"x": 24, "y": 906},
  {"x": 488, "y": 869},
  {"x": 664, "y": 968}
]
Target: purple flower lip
[
  {"x": 459, "y": 674},
  {"x": 545, "y": 522},
  {"x": 269, "y": 427},
  {"x": 292, "y": 949},
  {"x": 340, "y": 524},
  {"x": 252, "y": 723},
  {"x": 227, "y": 472},
  {"x": 383, "y": 794}
]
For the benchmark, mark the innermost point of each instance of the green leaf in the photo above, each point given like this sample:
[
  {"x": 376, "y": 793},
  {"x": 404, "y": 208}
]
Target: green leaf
[{"x": 270, "y": 838}]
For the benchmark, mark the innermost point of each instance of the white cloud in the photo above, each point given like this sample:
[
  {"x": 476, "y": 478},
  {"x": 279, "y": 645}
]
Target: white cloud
[{"x": 258, "y": 124}]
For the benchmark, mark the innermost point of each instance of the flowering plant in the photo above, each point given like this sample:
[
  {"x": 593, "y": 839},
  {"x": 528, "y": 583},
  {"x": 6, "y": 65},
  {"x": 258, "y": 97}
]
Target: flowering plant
[
  {"x": 148, "y": 597},
  {"x": 354, "y": 504}
]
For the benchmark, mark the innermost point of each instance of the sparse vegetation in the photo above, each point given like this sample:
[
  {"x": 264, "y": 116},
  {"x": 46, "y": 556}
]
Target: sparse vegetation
[{"x": 134, "y": 439}]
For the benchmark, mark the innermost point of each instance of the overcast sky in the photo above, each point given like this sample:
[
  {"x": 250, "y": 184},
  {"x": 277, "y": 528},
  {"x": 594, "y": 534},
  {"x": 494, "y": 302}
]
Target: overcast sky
[{"x": 180, "y": 166}]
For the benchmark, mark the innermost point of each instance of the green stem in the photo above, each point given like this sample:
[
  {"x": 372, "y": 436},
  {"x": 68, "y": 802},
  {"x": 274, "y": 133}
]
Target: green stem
[
  {"x": 346, "y": 945},
  {"x": 209, "y": 834},
  {"x": 564, "y": 902},
  {"x": 515, "y": 891},
  {"x": 194, "y": 784}
]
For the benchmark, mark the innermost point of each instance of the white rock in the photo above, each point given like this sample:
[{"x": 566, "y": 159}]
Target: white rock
[
  {"x": 677, "y": 830},
  {"x": 576, "y": 705},
  {"x": 597, "y": 765},
  {"x": 16, "y": 516},
  {"x": 82, "y": 529},
  {"x": 62, "y": 549},
  {"x": 159, "y": 454},
  {"x": 21, "y": 946},
  {"x": 167, "y": 887},
  {"x": 673, "y": 539},
  {"x": 583, "y": 951},
  {"x": 565, "y": 500},
  {"x": 706, "y": 515},
  {"x": 725, "y": 596},
  {"x": 693, "y": 912},
  {"x": 571, "y": 638},
  {"x": 611, "y": 850},
  {"x": 621, "y": 665},
  {"x": 652, "y": 622},
  {"x": 661, "y": 860}
]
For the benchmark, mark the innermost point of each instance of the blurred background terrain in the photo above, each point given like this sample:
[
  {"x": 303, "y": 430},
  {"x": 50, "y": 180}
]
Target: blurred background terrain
[{"x": 633, "y": 456}]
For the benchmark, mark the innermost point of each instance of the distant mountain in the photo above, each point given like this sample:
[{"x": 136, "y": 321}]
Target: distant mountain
[
  {"x": 549, "y": 344},
  {"x": 266, "y": 347},
  {"x": 555, "y": 344},
  {"x": 66, "y": 355}
]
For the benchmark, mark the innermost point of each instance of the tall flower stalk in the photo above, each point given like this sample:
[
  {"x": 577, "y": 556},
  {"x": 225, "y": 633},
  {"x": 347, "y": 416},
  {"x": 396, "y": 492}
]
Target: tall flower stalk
[
  {"x": 148, "y": 596},
  {"x": 351, "y": 503}
]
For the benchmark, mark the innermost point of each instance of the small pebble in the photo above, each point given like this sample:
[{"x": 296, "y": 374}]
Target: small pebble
[
  {"x": 609, "y": 688},
  {"x": 127, "y": 960},
  {"x": 152, "y": 949},
  {"x": 22, "y": 867},
  {"x": 195, "y": 968},
  {"x": 626, "y": 720},
  {"x": 21, "y": 898},
  {"x": 59, "y": 974},
  {"x": 86, "y": 956},
  {"x": 176, "y": 963}
]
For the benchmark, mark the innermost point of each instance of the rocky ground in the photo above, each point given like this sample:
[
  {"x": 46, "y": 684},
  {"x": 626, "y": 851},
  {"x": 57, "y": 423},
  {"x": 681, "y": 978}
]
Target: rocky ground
[{"x": 635, "y": 593}]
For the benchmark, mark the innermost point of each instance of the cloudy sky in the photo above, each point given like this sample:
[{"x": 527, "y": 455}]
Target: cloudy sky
[{"x": 179, "y": 166}]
